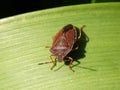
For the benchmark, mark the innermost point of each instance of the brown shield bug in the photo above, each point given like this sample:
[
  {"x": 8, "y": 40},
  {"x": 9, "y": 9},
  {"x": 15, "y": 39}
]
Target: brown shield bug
[{"x": 63, "y": 43}]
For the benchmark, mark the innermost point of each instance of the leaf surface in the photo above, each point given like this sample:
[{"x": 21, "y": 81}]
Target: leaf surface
[{"x": 22, "y": 46}]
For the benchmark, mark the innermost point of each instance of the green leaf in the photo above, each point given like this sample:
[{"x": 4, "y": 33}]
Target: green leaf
[{"x": 22, "y": 46}]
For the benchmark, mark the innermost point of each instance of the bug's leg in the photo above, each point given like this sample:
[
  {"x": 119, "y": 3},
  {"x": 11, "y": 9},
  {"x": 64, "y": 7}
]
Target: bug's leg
[
  {"x": 79, "y": 35},
  {"x": 44, "y": 63},
  {"x": 81, "y": 28},
  {"x": 76, "y": 48},
  {"x": 53, "y": 61},
  {"x": 71, "y": 61},
  {"x": 47, "y": 46}
]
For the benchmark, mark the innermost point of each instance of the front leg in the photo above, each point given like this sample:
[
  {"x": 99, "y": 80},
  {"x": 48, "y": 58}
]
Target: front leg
[{"x": 53, "y": 61}]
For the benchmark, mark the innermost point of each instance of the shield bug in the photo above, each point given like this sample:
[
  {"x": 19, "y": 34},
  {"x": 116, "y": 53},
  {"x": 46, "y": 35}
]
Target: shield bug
[{"x": 63, "y": 43}]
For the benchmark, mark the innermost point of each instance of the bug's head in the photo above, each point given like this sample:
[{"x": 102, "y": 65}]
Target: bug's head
[{"x": 60, "y": 58}]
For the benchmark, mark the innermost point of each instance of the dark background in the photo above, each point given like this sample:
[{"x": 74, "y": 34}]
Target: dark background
[{"x": 14, "y": 7}]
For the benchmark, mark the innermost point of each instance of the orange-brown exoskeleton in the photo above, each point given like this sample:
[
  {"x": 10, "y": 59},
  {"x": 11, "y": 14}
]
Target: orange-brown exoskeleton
[{"x": 63, "y": 43}]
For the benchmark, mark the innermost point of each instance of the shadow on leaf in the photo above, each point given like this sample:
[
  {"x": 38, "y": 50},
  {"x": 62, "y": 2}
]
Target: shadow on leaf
[{"x": 78, "y": 54}]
